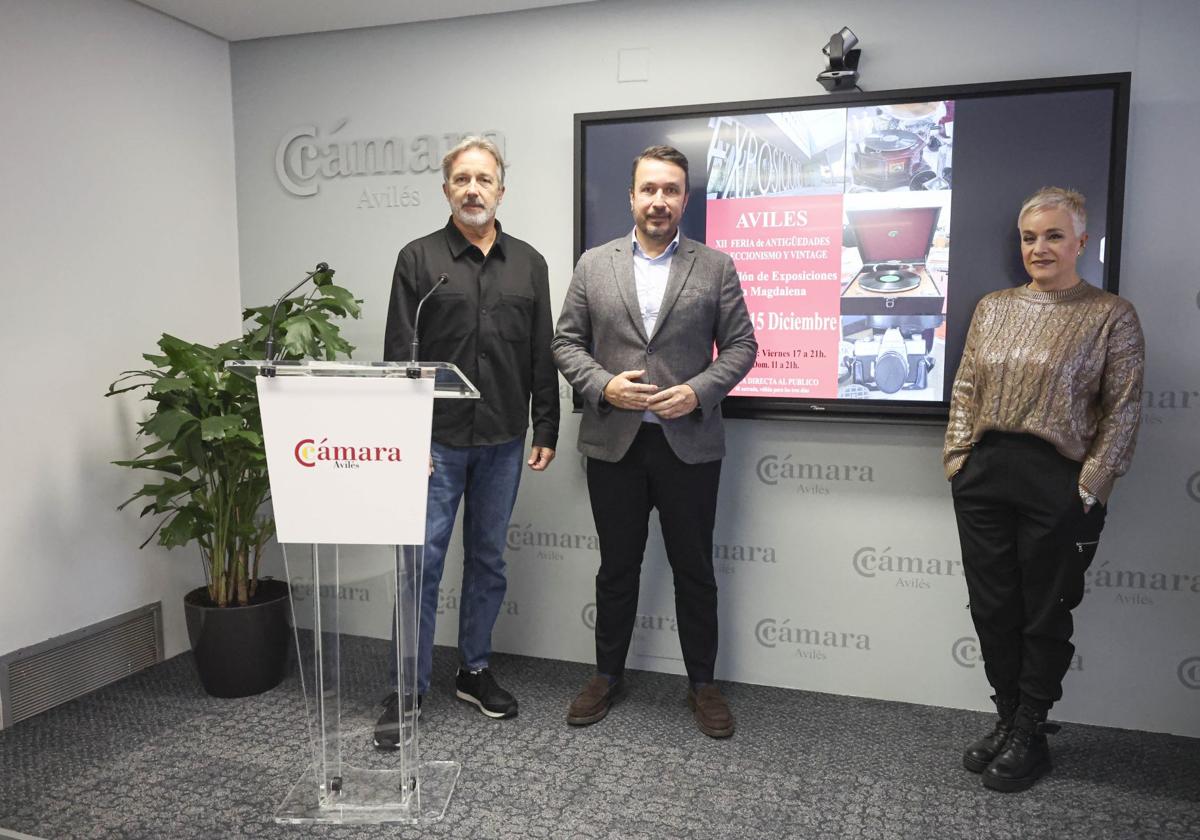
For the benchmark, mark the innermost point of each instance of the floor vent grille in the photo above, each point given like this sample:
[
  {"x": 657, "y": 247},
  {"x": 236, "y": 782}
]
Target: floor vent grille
[{"x": 58, "y": 670}]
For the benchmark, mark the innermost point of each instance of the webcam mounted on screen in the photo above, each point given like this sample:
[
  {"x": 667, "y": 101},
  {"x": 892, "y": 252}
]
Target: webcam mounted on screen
[{"x": 841, "y": 66}]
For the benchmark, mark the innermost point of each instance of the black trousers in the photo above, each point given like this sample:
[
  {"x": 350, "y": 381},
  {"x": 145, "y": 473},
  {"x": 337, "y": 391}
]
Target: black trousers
[
  {"x": 1026, "y": 543},
  {"x": 623, "y": 494}
]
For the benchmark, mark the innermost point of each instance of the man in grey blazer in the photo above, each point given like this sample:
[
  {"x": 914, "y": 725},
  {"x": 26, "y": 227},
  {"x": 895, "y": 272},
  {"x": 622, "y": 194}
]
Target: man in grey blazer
[{"x": 636, "y": 338}]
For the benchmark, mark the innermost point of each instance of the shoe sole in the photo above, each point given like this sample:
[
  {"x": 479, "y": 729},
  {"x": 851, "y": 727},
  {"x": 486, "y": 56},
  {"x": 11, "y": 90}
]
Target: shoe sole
[
  {"x": 389, "y": 748},
  {"x": 1016, "y": 785},
  {"x": 584, "y": 720},
  {"x": 474, "y": 701}
]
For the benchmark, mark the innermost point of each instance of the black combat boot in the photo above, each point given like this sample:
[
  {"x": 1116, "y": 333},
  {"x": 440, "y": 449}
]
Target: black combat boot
[
  {"x": 1025, "y": 757},
  {"x": 981, "y": 753}
]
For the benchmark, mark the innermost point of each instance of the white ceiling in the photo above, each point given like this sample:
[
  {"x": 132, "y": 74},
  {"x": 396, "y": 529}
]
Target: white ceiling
[{"x": 239, "y": 20}]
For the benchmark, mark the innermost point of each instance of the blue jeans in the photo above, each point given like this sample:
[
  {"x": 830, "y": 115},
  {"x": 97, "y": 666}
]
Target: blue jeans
[{"x": 488, "y": 476}]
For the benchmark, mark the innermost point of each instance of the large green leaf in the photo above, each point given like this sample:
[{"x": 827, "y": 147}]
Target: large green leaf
[
  {"x": 228, "y": 349},
  {"x": 327, "y": 333},
  {"x": 254, "y": 342},
  {"x": 188, "y": 447},
  {"x": 173, "y": 487},
  {"x": 167, "y": 464},
  {"x": 138, "y": 378},
  {"x": 170, "y": 384},
  {"x": 165, "y": 425},
  {"x": 174, "y": 348},
  {"x": 113, "y": 390},
  {"x": 184, "y": 527},
  {"x": 298, "y": 335},
  {"x": 214, "y": 428},
  {"x": 343, "y": 298},
  {"x": 147, "y": 490}
]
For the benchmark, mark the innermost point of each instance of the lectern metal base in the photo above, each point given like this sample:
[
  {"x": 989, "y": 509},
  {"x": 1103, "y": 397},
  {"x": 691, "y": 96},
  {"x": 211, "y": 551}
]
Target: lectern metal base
[{"x": 372, "y": 796}]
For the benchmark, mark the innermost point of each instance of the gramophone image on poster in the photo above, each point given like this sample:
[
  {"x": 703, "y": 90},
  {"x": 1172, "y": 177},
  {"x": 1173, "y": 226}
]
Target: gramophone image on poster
[
  {"x": 895, "y": 273},
  {"x": 903, "y": 146}
]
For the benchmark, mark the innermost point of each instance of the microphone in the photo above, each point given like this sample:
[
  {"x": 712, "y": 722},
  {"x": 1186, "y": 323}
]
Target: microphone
[
  {"x": 413, "y": 371},
  {"x": 269, "y": 355}
]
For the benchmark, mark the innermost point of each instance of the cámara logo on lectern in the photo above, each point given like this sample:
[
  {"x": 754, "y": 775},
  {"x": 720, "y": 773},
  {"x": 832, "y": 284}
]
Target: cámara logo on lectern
[{"x": 310, "y": 452}]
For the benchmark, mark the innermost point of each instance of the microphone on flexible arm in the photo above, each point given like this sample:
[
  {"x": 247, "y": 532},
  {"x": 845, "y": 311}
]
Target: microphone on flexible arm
[
  {"x": 269, "y": 354},
  {"x": 413, "y": 371}
]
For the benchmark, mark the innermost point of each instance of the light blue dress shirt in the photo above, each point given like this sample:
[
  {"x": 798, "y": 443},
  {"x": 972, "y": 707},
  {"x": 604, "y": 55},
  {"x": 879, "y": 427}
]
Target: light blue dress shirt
[{"x": 650, "y": 275}]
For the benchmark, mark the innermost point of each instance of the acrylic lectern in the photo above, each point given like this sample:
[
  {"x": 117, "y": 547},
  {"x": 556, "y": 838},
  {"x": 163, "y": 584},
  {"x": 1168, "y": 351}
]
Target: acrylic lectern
[{"x": 347, "y": 447}]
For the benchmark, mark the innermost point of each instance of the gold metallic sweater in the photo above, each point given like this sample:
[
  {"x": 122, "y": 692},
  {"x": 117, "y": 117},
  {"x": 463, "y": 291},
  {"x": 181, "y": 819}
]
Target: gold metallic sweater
[{"x": 1065, "y": 366}]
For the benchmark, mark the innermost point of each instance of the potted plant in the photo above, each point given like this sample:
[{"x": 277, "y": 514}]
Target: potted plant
[{"x": 203, "y": 442}]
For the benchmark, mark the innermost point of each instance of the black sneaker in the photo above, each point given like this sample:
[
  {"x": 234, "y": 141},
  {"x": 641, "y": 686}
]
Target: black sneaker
[
  {"x": 479, "y": 687},
  {"x": 387, "y": 728}
]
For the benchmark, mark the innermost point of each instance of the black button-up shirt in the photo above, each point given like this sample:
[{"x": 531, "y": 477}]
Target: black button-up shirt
[{"x": 491, "y": 319}]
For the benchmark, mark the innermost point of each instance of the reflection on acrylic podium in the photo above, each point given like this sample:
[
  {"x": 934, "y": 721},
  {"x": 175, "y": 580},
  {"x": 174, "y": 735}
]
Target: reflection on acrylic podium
[{"x": 350, "y": 781}]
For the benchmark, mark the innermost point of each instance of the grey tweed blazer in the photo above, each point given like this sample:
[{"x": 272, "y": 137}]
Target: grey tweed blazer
[{"x": 600, "y": 334}]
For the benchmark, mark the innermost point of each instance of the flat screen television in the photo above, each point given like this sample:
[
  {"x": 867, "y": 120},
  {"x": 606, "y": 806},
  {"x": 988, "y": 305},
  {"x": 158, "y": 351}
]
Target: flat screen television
[{"x": 865, "y": 226}]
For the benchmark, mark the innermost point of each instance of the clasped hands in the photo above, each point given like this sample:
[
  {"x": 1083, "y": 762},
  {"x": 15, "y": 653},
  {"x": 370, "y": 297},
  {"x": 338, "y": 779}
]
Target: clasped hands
[{"x": 623, "y": 391}]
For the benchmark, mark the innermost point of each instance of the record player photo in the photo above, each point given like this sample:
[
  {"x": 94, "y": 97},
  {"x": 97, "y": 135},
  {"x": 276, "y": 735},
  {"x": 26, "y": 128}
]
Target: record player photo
[
  {"x": 890, "y": 265},
  {"x": 905, "y": 146}
]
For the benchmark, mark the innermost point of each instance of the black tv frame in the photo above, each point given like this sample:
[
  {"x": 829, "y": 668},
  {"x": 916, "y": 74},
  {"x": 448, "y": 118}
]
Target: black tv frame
[{"x": 881, "y": 411}]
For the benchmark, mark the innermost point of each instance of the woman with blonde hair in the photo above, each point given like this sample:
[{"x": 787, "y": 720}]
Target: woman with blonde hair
[{"x": 1043, "y": 417}]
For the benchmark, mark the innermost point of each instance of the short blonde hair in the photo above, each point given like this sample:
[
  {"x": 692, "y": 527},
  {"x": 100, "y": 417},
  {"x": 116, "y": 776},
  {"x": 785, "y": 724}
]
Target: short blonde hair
[
  {"x": 1047, "y": 197},
  {"x": 472, "y": 142}
]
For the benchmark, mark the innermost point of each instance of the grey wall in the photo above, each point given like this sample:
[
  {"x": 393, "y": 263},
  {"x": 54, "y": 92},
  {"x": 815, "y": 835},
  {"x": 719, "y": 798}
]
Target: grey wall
[
  {"x": 118, "y": 222},
  {"x": 790, "y": 547}
]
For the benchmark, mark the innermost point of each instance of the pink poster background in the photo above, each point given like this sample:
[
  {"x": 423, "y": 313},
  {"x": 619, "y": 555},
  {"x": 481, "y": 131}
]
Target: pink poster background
[{"x": 787, "y": 250}]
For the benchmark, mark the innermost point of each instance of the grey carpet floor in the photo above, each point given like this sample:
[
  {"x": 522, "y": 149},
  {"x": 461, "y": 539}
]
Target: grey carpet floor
[{"x": 154, "y": 757}]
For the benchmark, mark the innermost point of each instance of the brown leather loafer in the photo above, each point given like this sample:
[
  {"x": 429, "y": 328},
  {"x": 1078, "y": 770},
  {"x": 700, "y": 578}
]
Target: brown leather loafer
[
  {"x": 593, "y": 703},
  {"x": 711, "y": 712}
]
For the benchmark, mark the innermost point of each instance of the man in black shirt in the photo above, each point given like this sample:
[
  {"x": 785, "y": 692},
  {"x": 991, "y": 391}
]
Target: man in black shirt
[{"x": 492, "y": 319}]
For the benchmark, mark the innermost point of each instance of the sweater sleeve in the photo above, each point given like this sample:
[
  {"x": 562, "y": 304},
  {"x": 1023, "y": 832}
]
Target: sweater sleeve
[
  {"x": 961, "y": 426},
  {"x": 1120, "y": 404}
]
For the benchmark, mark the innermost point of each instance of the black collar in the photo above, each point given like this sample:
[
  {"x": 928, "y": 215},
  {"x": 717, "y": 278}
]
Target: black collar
[{"x": 459, "y": 243}]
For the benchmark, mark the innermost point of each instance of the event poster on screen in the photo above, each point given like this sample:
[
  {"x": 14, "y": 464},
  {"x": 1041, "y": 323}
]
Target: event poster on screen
[{"x": 838, "y": 221}]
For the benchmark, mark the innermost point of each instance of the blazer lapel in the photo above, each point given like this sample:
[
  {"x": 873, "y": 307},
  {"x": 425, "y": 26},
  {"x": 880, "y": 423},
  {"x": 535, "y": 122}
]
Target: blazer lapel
[
  {"x": 622, "y": 262},
  {"x": 681, "y": 267}
]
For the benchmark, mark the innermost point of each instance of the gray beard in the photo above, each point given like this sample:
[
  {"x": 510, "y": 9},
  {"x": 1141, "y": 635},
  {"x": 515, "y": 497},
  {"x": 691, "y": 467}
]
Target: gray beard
[{"x": 473, "y": 217}]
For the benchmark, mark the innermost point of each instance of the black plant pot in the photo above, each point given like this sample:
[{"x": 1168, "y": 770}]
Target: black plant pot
[{"x": 240, "y": 651}]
